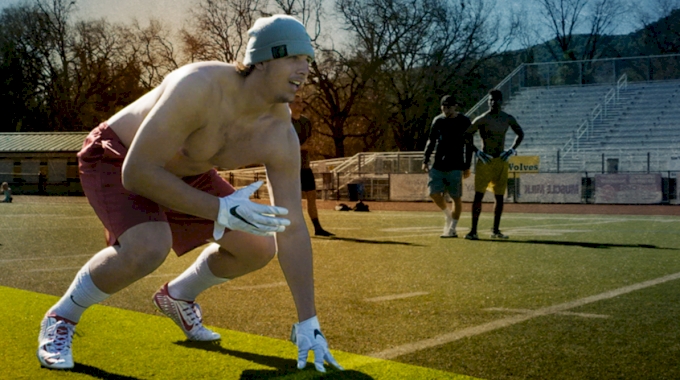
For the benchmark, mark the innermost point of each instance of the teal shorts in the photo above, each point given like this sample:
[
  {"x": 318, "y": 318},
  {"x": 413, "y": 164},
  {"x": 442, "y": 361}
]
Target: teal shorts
[{"x": 446, "y": 182}]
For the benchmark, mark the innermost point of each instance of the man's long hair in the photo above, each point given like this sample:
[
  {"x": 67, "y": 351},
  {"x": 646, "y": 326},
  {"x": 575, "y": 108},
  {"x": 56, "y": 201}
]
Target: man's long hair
[{"x": 244, "y": 70}]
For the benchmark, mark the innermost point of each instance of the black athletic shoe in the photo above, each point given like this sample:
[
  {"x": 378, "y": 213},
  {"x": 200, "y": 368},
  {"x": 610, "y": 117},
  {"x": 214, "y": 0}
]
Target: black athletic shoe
[
  {"x": 499, "y": 235},
  {"x": 472, "y": 236},
  {"x": 323, "y": 232}
]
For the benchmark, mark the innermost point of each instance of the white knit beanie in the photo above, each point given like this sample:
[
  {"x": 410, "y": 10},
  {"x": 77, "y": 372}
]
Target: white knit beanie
[{"x": 277, "y": 36}]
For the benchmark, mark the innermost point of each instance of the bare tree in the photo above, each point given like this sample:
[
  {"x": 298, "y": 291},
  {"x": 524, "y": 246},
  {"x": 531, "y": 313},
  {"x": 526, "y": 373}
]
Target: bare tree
[
  {"x": 437, "y": 60},
  {"x": 653, "y": 10},
  {"x": 154, "y": 51},
  {"x": 74, "y": 75},
  {"x": 405, "y": 54},
  {"x": 309, "y": 12},
  {"x": 603, "y": 18},
  {"x": 218, "y": 29},
  {"x": 54, "y": 37},
  {"x": 566, "y": 19},
  {"x": 94, "y": 50},
  {"x": 660, "y": 34},
  {"x": 21, "y": 71},
  {"x": 345, "y": 82},
  {"x": 562, "y": 18}
]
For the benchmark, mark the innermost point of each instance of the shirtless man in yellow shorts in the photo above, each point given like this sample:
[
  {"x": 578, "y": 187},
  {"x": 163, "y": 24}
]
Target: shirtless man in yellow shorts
[{"x": 491, "y": 169}]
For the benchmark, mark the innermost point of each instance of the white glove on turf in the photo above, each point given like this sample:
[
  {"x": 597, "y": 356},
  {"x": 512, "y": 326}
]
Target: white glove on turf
[
  {"x": 506, "y": 155},
  {"x": 481, "y": 156},
  {"x": 307, "y": 336},
  {"x": 237, "y": 212}
]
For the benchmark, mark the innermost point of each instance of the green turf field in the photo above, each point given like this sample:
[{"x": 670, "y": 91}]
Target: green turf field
[{"x": 567, "y": 297}]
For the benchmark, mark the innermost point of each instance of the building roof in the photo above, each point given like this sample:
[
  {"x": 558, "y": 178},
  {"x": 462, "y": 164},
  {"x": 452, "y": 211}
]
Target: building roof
[{"x": 42, "y": 141}]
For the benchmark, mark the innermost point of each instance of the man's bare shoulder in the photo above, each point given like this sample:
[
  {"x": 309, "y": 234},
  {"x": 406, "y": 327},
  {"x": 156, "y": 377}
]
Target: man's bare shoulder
[
  {"x": 202, "y": 73},
  {"x": 481, "y": 118},
  {"x": 508, "y": 118}
]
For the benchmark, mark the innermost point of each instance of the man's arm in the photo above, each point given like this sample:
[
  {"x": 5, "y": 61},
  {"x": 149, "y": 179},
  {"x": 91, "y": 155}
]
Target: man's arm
[
  {"x": 468, "y": 147},
  {"x": 295, "y": 249},
  {"x": 294, "y": 244},
  {"x": 470, "y": 133},
  {"x": 512, "y": 122},
  {"x": 429, "y": 146},
  {"x": 176, "y": 114}
]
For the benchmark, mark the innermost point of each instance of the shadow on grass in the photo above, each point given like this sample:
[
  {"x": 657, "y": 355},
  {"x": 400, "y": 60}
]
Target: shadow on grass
[
  {"x": 581, "y": 244},
  {"x": 285, "y": 368},
  {"x": 97, "y": 373},
  {"x": 367, "y": 241}
]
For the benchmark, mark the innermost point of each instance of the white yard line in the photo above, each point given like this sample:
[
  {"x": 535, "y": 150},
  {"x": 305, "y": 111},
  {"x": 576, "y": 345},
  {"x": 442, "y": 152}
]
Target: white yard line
[
  {"x": 43, "y": 258},
  {"x": 525, "y": 311},
  {"x": 247, "y": 287},
  {"x": 161, "y": 275},
  {"x": 395, "y": 297},
  {"x": 261, "y": 286},
  {"x": 409, "y": 348},
  {"x": 53, "y": 269}
]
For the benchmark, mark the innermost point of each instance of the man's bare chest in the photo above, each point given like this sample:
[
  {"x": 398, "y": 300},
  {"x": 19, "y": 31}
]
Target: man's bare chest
[{"x": 219, "y": 147}]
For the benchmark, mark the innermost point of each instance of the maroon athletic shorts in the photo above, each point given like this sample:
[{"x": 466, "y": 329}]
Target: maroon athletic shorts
[{"x": 100, "y": 164}]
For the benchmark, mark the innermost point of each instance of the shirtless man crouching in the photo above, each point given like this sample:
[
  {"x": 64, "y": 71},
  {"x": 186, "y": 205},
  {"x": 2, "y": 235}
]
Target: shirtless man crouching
[{"x": 149, "y": 173}]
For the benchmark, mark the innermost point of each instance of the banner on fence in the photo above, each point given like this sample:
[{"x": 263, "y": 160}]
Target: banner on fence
[
  {"x": 549, "y": 188},
  {"x": 413, "y": 187},
  {"x": 524, "y": 164},
  {"x": 628, "y": 188},
  {"x": 676, "y": 201},
  {"x": 674, "y": 163},
  {"x": 677, "y": 189},
  {"x": 674, "y": 168},
  {"x": 409, "y": 187}
]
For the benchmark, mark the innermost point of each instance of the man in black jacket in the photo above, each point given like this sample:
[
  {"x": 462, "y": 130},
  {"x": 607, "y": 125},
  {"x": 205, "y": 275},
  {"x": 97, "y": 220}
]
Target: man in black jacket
[{"x": 453, "y": 154}]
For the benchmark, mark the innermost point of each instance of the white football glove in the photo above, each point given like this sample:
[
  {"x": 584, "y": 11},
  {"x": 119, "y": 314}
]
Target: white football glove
[
  {"x": 307, "y": 336},
  {"x": 481, "y": 156},
  {"x": 506, "y": 155},
  {"x": 237, "y": 212}
]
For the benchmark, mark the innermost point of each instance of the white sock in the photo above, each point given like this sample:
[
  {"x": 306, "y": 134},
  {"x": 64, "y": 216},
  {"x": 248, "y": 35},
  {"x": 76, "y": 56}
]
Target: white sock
[
  {"x": 454, "y": 223},
  {"x": 447, "y": 214},
  {"x": 197, "y": 278},
  {"x": 82, "y": 294}
]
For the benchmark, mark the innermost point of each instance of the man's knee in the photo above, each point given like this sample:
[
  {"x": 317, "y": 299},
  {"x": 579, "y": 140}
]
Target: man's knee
[
  {"x": 436, "y": 195},
  {"x": 145, "y": 248},
  {"x": 264, "y": 251},
  {"x": 256, "y": 251}
]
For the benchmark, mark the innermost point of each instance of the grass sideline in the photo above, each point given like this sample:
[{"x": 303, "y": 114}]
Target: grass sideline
[{"x": 112, "y": 343}]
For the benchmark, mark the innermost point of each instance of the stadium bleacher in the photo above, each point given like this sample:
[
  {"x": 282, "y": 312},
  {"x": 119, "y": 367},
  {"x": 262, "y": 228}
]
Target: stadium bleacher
[{"x": 642, "y": 118}]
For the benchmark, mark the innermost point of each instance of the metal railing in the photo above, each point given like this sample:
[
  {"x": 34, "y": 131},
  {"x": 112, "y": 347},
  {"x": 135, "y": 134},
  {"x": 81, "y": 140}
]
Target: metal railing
[
  {"x": 585, "y": 72},
  {"x": 600, "y": 112}
]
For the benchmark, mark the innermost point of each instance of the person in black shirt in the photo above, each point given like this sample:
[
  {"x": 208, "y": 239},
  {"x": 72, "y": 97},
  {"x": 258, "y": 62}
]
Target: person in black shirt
[
  {"x": 303, "y": 127},
  {"x": 453, "y": 154}
]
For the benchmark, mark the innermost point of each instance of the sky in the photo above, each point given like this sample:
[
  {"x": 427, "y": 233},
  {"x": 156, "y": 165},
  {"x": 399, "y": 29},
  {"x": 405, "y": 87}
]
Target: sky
[
  {"x": 124, "y": 11},
  {"x": 174, "y": 11}
]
